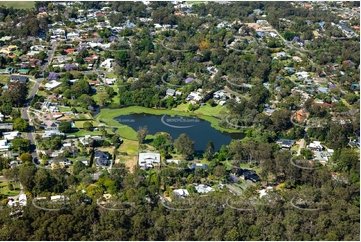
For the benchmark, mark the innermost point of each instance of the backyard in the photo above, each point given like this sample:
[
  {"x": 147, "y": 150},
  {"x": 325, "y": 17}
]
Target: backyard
[{"x": 4, "y": 189}]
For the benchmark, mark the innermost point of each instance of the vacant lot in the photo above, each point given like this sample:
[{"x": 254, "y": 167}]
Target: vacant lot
[{"x": 129, "y": 146}]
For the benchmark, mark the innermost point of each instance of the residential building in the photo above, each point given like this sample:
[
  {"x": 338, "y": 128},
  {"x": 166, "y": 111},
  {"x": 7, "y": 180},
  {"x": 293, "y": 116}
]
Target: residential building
[
  {"x": 315, "y": 146},
  {"x": 249, "y": 175},
  {"x": 11, "y": 135},
  {"x": 285, "y": 143},
  {"x": 204, "y": 188},
  {"x": 50, "y": 125},
  {"x": 18, "y": 78},
  {"x": 181, "y": 193},
  {"x": 149, "y": 160},
  {"x": 101, "y": 158},
  {"x": 170, "y": 92},
  {"x": 52, "y": 84},
  {"x": 194, "y": 166}
]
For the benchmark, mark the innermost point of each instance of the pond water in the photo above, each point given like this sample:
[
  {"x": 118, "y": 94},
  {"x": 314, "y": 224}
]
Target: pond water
[{"x": 198, "y": 130}]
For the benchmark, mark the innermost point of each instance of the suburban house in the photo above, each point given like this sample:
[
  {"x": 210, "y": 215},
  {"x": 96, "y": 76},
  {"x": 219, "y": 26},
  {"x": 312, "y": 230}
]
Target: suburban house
[
  {"x": 315, "y": 146},
  {"x": 249, "y": 175},
  {"x": 4, "y": 145},
  {"x": 6, "y": 126},
  {"x": 170, "y": 92},
  {"x": 11, "y": 135},
  {"x": 16, "y": 78},
  {"x": 204, "y": 188},
  {"x": 101, "y": 158},
  {"x": 52, "y": 84},
  {"x": 181, "y": 193},
  {"x": 148, "y": 160},
  {"x": 285, "y": 143},
  {"x": 73, "y": 150},
  {"x": 88, "y": 139},
  {"x": 220, "y": 95},
  {"x": 194, "y": 166},
  {"x": 49, "y": 133},
  {"x": 194, "y": 97},
  {"x": 50, "y": 125}
]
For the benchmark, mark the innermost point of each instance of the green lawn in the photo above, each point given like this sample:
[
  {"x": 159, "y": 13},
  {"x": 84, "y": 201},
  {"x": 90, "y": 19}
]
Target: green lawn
[
  {"x": 129, "y": 146},
  {"x": 19, "y": 4},
  {"x": 43, "y": 93},
  {"x": 65, "y": 109},
  {"x": 203, "y": 110},
  {"x": 79, "y": 124},
  {"x": 116, "y": 97},
  {"x": 4, "y": 79},
  {"x": 5, "y": 190},
  {"x": 111, "y": 76},
  {"x": 107, "y": 116},
  {"x": 83, "y": 133}
]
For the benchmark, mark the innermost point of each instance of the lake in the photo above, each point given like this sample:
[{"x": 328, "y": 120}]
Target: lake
[{"x": 198, "y": 130}]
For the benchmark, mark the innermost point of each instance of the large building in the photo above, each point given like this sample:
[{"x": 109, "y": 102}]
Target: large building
[{"x": 149, "y": 160}]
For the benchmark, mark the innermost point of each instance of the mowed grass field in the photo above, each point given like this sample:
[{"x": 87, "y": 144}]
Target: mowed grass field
[{"x": 18, "y": 4}]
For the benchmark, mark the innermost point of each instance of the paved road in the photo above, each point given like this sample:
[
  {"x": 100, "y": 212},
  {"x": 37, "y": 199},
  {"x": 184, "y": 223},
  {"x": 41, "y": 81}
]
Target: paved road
[
  {"x": 25, "y": 110},
  {"x": 236, "y": 93}
]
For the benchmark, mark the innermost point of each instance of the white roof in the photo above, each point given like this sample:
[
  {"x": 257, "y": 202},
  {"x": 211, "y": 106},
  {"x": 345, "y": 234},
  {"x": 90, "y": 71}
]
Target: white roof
[
  {"x": 181, "y": 192},
  {"x": 204, "y": 188}
]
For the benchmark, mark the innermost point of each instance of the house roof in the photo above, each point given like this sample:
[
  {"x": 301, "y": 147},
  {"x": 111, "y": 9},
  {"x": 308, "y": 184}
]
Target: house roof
[{"x": 19, "y": 78}]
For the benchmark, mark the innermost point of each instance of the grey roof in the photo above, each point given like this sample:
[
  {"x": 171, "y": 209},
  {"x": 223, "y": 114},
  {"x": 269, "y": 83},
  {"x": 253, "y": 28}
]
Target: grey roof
[
  {"x": 19, "y": 78},
  {"x": 102, "y": 158}
]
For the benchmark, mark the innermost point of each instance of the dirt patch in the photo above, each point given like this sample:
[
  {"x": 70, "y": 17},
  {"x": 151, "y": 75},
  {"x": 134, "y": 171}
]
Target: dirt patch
[{"x": 131, "y": 163}]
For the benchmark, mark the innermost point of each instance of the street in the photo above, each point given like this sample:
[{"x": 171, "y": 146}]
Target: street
[{"x": 25, "y": 110}]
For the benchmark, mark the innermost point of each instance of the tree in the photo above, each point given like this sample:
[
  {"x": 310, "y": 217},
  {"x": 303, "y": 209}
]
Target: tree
[
  {"x": 103, "y": 98},
  {"x": 64, "y": 127},
  {"x": 160, "y": 141},
  {"x": 27, "y": 175},
  {"x": 20, "y": 124},
  {"x": 88, "y": 126},
  {"x": 142, "y": 133},
  {"x": 219, "y": 171},
  {"x": 26, "y": 157},
  {"x": 15, "y": 95},
  {"x": 78, "y": 167},
  {"x": 184, "y": 145},
  {"x": 20, "y": 144},
  {"x": 209, "y": 151}
]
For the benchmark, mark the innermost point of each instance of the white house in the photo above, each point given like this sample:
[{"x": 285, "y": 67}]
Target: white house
[
  {"x": 72, "y": 35},
  {"x": 315, "y": 145},
  {"x": 302, "y": 75},
  {"x": 149, "y": 160},
  {"x": 204, "y": 188},
  {"x": 52, "y": 84},
  {"x": 59, "y": 197},
  {"x": 11, "y": 135},
  {"x": 181, "y": 192},
  {"x": 110, "y": 81},
  {"x": 1, "y": 117},
  {"x": 4, "y": 145},
  {"x": 173, "y": 161}
]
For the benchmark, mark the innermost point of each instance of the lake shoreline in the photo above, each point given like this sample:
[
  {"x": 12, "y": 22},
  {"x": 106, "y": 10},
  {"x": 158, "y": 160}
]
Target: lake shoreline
[{"x": 107, "y": 116}]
